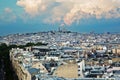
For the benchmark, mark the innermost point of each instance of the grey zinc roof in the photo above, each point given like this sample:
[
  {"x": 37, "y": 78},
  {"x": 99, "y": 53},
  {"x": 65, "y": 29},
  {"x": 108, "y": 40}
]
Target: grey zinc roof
[{"x": 33, "y": 70}]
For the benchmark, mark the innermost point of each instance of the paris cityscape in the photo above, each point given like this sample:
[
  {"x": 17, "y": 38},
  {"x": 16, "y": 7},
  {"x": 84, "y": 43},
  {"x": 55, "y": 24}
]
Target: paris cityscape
[
  {"x": 60, "y": 40},
  {"x": 64, "y": 55}
]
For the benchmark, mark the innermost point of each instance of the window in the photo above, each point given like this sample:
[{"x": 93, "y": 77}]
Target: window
[
  {"x": 78, "y": 66},
  {"x": 78, "y": 74}
]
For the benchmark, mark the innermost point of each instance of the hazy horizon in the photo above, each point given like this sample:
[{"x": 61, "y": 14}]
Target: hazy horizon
[{"x": 24, "y": 16}]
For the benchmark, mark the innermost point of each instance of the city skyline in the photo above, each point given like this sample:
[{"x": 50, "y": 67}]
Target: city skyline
[{"x": 22, "y": 16}]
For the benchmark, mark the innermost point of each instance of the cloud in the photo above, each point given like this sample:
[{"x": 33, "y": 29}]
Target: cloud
[
  {"x": 57, "y": 13},
  {"x": 89, "y": 8},
  {"x": 70, "y": 11},
  {"x": 32, "y": 7},
  {"x": 8, "y": 15},
  {"x": 8, "y": 10}
]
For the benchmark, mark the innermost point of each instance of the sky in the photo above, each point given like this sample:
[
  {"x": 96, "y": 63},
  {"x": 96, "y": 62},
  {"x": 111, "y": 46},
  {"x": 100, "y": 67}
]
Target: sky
[{"x": 23, "y": 16}]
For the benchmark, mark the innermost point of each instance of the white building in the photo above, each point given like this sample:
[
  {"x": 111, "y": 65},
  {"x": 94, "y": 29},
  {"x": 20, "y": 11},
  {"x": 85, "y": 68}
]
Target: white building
[{"x": 81, "y": 68}]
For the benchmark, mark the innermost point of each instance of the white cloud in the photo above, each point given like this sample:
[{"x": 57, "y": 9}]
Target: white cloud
[
  {"x": 97, "y": 8},
  {"x": 8, "y": 15},
  {"x": 32, "y": 7},
  {"x": 70, "y": 11},
  {"x": 8, "y": 10}
]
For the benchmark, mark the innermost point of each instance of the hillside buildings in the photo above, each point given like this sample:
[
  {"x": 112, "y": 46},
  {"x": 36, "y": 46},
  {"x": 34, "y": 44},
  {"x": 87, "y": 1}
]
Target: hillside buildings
[{"x": 67, "y": 56}]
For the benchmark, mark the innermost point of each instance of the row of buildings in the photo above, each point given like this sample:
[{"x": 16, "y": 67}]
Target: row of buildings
[
  {"x": 67, "y": 56},
  {"x": 65, "y": 63},
  {"x": 73, "y": 39}
]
